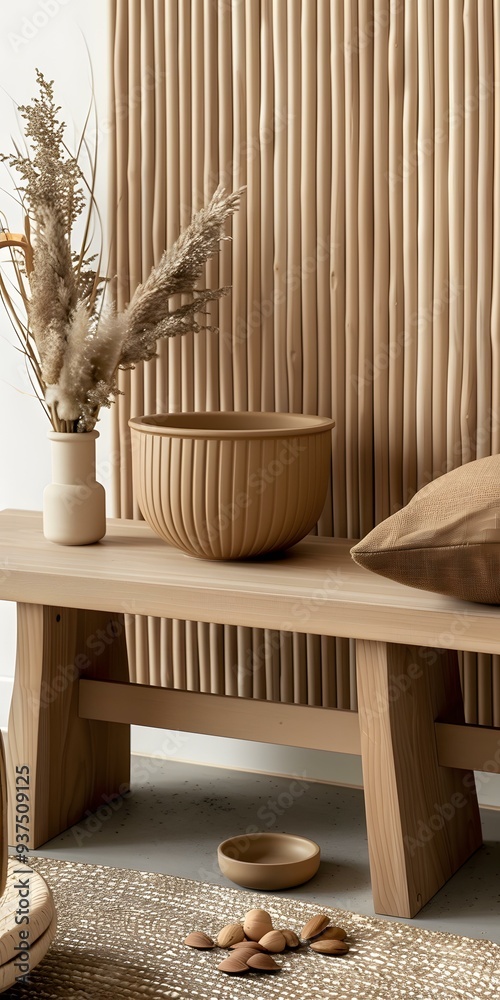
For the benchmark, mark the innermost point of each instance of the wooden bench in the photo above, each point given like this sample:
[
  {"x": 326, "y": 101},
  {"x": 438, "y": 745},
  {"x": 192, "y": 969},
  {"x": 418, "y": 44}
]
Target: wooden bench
[{"x": 73, "y": 704}]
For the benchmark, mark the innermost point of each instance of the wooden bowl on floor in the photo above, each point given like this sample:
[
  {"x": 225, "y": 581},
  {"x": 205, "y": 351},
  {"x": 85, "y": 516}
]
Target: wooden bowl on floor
[{"x": 268, "y": 860}]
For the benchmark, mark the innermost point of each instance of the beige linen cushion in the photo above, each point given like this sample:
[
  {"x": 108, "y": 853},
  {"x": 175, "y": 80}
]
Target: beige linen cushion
[{"x": 447, "y": 539}]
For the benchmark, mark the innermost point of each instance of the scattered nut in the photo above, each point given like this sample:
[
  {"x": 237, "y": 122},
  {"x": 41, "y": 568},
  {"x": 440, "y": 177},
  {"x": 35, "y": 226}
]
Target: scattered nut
[
  {"x": 199, "y": 940},
  {"x": 257, "y": 923},
  {"x": 232, "y": 966},
  {"x": 243, "y": 954},
  {"x": 314, "y": 927},
  {"x": 273, "y": 941},
  {"x": 249, "y": 954},
  {"x": 332, "y": 947},
  {"x": 245, "y": 945},
  {"x": 229, "y": 935},
  {"x": 263, "y": 963},
  {"x": 332, "y": 934},
  {"x": 291, "y": 938}
]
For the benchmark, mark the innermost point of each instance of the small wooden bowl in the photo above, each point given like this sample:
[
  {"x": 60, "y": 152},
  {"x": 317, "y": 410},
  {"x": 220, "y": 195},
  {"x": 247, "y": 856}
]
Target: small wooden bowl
[{"x": 268, "y": 860}]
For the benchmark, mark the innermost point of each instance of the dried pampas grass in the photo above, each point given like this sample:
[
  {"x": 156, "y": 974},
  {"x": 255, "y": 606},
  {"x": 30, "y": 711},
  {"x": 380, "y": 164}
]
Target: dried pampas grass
[{"x": 73, "y": 344}]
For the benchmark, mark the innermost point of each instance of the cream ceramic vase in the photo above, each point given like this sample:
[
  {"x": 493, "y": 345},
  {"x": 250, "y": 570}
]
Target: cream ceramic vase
[
  {"x": 3, "y": 818},
  {"x": 74, "y": 507}
]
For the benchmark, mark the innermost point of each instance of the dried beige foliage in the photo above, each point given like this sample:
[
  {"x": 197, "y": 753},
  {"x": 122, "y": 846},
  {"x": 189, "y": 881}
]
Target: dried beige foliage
[{"x": 73, "y": 343}]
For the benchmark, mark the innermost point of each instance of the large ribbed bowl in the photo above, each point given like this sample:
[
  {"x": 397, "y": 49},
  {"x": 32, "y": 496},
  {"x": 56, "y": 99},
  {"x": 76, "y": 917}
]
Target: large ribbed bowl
[{"x": 231, "y": 485}]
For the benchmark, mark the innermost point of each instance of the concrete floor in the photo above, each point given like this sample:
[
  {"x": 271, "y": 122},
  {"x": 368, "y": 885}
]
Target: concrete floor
[{"x": 178, "y": 813}]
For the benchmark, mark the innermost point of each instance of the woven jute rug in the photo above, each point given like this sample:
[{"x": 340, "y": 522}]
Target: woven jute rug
[{"x": 120, "y": 935}]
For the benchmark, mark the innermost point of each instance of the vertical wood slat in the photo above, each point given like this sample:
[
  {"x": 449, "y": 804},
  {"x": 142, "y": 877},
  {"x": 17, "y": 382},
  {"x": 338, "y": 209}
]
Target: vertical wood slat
[
  {"x": 239, "y": 297},
  {"x": 484, "y": 294},
  {"x": 471, "y": 141},
  {"x": 484, "y": 230},
  {"x": 137, "y": 162},
  {"x": 279, "y": 216},
  {"x": 363, "y": 384},
  {"x": 187, "y": 345},
  {"x": 253, "y": 201},
  {"x": 495, "y": 312},
  {"x": 310, "y": 655},
  {"x": 324, "y": 156},
  {"x": 113, "y": 200},
  {"x": 120, "y": 245},
  {"x": 440, "y": 263},
  {"x": 426, "y": 152},
  {"x": 282, "y": 116},
  {"x": 407, "y": 176},
  {"x": 351, "y": 139},
  {"x": 293, "y": 173},
  {"x": 337, "y": 306},
  {"x": 135, "y": 386},
  {"x": 456, "y": 234},
  {"x": 396, "y": 276},
  {"x": 148, "y": 193},
  {"x": 264, "y": 306},
  {"x": 381, "y": 264},
  {"x": 225, "y": 71},
  {"x": 180, "y": 358},
  {"x": 212, "y": 278},
  {"x": 197, "y": 199},
  {"x": 470, "y": 111},
  {"x": 325, "y": 654},
  {"x": 224, "y": 77}
]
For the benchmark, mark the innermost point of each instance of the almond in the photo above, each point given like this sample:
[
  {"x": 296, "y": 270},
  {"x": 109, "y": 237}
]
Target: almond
[
  {"x": 332, "y": 947},
  {"x": 243, "y": 945},
  {"x": 291, "y": 938},
  {"x": 199, "y": 940},
  {"x": 314, "y": 927},
  {"x": 273, "y": 941},
  {"x": 232, "y": 966},
  {"x": 230, "y": 934},
  {"x": 263, "y": 963},
  {"x": 257, "y": 923},
  {"x": 332, "y": 934},
  {"x": 243, "y": 954}
]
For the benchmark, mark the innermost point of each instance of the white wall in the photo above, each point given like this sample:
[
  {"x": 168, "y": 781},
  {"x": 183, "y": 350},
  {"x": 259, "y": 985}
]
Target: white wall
[
  {"x": 50, "y": 35},
  {"x": 53, "y": 35}
]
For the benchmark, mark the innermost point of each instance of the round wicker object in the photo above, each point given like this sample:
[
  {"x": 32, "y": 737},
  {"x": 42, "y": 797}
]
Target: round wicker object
[
  {"x": 41, "y": 915},
  {"x": 3, "y": 819}
]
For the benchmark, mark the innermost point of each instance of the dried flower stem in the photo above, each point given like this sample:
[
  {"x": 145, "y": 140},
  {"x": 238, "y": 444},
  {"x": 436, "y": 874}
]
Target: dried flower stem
[{"x": 73, "y": 345}]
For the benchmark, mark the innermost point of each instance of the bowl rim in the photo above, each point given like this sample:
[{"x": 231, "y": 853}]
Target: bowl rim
[
  {"x": 305, "y": 424},
  {"x": 270, "y": 864}
]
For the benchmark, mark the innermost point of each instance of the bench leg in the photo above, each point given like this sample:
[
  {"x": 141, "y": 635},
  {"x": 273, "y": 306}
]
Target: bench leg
[
  {"x": 74, "y": 764},
  {"x": 423, "y": 819}
]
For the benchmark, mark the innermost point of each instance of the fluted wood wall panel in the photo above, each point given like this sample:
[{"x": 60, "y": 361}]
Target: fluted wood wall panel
[{"x": 364, "y": 264}]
